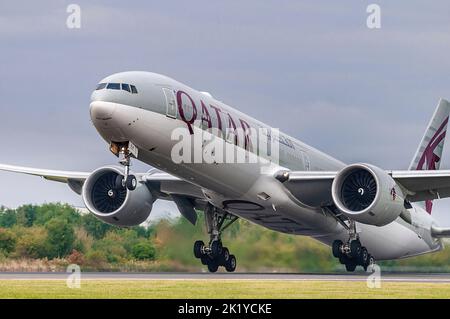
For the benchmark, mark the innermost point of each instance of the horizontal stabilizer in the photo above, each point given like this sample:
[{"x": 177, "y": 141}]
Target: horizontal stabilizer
[{"x": 440, "y": 232}]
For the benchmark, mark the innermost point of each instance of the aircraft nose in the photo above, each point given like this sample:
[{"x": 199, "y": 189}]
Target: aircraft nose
[{"x": 102, "y": 111}]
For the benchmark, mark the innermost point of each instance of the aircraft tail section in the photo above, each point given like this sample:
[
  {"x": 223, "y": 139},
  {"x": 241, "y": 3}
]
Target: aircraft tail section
[{"x": 429, "y": 153}]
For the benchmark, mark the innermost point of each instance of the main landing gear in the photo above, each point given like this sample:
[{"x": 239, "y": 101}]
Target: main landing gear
[
  {"x": 214, "y": 254},
  {"x": 352, "y": 253},
  {"x": 127, "y": 180}
]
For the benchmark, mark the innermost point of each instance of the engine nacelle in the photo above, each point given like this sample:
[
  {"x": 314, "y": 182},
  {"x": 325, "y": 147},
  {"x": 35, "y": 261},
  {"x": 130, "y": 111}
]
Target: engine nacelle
[
  {"x": 116, "y": 206},
  {"x": 367, "y": 194}
]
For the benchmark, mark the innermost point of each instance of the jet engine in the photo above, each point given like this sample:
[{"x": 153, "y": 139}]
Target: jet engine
[
  {"x": 116, "y": 205},
  {"x": 367, "y": 194}
]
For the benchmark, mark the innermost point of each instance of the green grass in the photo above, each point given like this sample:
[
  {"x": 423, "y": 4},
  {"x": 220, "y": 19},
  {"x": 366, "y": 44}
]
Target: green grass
[{"x": 226, "y": 289}]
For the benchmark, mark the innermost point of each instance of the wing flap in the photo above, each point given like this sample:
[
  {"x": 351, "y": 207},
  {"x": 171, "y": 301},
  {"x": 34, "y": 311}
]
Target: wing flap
[
  {"x": 171, "y": 185},
  {"x": 312, "y": 188}
]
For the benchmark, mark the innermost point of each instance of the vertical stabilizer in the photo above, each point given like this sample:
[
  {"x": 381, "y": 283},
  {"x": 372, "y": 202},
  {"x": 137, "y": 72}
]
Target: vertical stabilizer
[{"x": 429, "y": 153}]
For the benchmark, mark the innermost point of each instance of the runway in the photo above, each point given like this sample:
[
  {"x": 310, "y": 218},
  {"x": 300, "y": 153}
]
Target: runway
[{"x": 359, "y": 277}]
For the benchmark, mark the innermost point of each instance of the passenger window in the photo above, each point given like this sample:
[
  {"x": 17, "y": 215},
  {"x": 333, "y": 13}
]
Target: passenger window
[
  {"x": 101, "y": 86},
  {"x": 126, "y": 87},
  {"x": 113, "y": 86},
  {"x": 133, "y": 89}
]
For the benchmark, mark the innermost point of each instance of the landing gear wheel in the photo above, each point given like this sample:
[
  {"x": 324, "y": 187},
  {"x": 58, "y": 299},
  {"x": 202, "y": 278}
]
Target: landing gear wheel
[
  {"x": 205, "y": 260},
  {"x": 355, "y": 248},
  {"x": 336, "y": 248},
  {"x": 230, "y": 265},
  {"x": 225, "y": 256},
  {"x": 351, "y": 253},
  {"x": 131, "y": 182},
  {"x": 343, "y": 259},
  {"x": 119, "y": 181},
  {"x": 199, "y": 245},
  {"x": 213, "y": 265},
  {"x": 350, "y": 266},
  {"x": 216, "y": 248},
  {"x": 214, "y": 255},
  {"x": 363, "y": 258}
]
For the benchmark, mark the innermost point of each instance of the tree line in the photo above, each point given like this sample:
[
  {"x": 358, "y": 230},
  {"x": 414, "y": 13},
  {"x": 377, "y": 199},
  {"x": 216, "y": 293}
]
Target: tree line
[
  {"x": 60, "y": 235},
  {"x": 59, "y": 231}
]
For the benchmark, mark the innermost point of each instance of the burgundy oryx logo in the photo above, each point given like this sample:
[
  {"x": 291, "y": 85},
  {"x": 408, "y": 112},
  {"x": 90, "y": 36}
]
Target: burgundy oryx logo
[
  {"x": 429, "y": 158},
  {"x": 393, "y": 193}
]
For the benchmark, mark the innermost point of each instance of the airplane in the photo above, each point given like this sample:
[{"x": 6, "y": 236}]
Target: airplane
[{"x": 363, "y": 212}]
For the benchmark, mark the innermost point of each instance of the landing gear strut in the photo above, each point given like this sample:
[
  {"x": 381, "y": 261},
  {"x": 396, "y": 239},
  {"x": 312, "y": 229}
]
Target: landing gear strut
[
  {"x": 214, "y": 254},
  {"x": 352, "y": 253},
  {"x": 127, "y": 180}
]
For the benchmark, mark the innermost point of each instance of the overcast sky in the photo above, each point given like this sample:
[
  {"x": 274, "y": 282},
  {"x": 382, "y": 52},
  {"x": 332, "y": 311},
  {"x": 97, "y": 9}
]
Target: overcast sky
[{"x": 311, "y": 68}]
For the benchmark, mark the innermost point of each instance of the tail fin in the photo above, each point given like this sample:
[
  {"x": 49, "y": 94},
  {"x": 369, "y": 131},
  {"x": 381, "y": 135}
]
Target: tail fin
[{"x": 429, "y": 153}]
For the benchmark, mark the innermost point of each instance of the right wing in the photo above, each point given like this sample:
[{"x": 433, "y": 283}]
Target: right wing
[
  {"x": 53, "y": 175},
  {"x": 75, "y": 180},
  {"x": 314, "y": 187}
]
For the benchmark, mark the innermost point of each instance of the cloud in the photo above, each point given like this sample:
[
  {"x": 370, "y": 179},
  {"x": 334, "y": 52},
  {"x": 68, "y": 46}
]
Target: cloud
[{"x": 311, "y": 68}]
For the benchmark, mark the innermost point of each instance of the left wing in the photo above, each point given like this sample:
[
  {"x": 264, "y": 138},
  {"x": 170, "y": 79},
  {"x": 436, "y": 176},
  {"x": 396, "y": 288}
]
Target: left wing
[{"x": 314, "y": 187}]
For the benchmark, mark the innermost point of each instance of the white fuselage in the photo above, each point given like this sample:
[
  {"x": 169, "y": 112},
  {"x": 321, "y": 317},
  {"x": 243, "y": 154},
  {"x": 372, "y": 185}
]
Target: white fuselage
[{"x": 149, "y": 118}]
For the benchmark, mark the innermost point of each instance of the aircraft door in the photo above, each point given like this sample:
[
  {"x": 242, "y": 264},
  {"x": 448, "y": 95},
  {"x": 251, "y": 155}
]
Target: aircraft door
[{"x": 171, "y": 110}]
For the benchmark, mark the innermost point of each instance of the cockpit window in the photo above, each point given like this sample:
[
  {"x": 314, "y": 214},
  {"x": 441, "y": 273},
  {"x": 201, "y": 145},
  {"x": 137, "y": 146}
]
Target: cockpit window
[
  {"x": 117, "y": 86},
  {"x": 113, "y": 86},
  {"x": 126, "y": 87},
  {"x": 101, "y": 86}
]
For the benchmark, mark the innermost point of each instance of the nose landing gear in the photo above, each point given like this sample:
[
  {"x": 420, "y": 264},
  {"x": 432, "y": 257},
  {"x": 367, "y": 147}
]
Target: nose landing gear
[
  {"x": 214, "y": 254},
  {"x": 352, "y": 253},
  {"x": 127, "y": 180}
]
